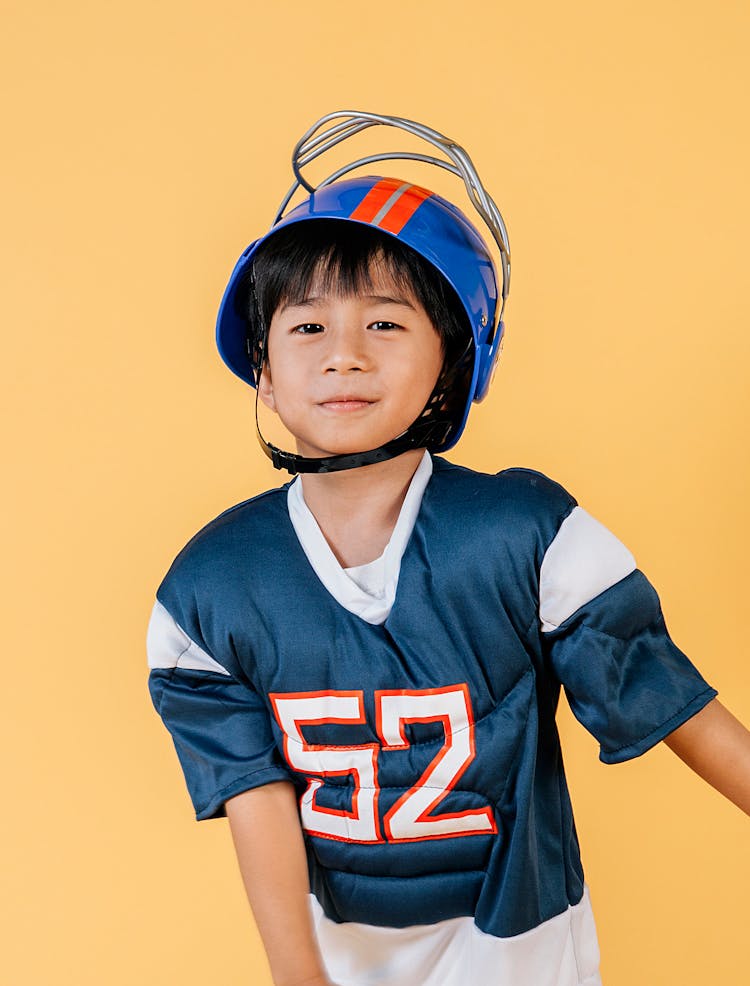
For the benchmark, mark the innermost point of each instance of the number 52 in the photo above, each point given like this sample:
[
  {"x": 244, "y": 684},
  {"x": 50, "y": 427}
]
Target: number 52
[{"x": 411, "y": 818}]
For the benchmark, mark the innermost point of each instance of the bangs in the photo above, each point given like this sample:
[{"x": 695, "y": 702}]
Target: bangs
[{"x": 341, "y": 268}]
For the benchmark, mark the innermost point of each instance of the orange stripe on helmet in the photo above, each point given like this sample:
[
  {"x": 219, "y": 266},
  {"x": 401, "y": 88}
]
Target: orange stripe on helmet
[
  {"x": 403, "y": 209},
  {"x": 404, "y": 206},
  {"x": 375, "y": 199}
]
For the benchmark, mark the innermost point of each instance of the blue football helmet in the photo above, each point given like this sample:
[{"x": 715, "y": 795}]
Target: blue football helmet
[{"x": 435, "y": 228}]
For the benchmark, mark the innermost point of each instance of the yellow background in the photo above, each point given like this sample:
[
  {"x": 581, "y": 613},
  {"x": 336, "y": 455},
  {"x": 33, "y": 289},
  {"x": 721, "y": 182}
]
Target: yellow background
[{"x": 144, "y": 145}]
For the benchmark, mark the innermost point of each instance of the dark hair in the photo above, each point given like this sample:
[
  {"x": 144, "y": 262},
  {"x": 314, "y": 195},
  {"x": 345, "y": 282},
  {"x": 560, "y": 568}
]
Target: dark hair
[{"x": 337, "y": 257}]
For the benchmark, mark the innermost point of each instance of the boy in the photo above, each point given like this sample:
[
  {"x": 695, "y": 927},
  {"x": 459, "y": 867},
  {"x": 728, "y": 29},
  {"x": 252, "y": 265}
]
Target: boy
[{"x": 384, "y": 638}]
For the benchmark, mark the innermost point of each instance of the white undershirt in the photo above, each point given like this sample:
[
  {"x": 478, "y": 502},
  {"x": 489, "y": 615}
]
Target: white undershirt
[{"x": 366, "y": 590}]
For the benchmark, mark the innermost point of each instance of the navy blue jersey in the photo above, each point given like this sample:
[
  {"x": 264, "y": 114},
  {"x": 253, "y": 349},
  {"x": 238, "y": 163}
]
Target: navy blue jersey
[{"x": 424, "y": 749}]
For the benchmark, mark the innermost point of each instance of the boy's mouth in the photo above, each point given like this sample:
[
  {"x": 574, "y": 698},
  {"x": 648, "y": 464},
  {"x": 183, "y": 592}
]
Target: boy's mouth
[{"x": 345, "y": 402}]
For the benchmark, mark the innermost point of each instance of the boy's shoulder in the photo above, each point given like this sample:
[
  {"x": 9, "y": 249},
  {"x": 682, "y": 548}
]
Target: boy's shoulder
[
  {"x": 244, "y": 531},
  {"x": 517, "y": 489}
]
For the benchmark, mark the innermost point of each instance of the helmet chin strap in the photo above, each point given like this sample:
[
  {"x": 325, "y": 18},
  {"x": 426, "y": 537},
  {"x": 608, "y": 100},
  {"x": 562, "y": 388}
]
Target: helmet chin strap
[{"x": 432, "y": 426}]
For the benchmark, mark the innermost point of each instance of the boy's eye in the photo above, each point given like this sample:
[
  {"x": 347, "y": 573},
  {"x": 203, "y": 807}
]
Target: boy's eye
[
  {"x": 383, "y": 325},
  {"x": 308, "y": 328}
]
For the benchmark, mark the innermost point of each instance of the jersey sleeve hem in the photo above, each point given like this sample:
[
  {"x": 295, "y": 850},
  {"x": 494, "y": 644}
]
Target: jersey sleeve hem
[
  {"x": 636, "y": 749},
  {"x": 215, "y": 808}
]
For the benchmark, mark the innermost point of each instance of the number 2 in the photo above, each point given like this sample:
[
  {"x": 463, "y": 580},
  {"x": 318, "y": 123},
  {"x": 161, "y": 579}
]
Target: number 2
[{"x": 411, "y": 818}]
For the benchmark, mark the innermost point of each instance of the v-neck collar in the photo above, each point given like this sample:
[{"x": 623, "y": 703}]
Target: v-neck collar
[{"x": 339, "y": 584}]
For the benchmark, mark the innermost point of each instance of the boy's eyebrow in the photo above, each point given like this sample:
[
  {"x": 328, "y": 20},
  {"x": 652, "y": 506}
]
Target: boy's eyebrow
[
  {"x": 386, "y": 299},
  {"x": 378, "y": 299}
]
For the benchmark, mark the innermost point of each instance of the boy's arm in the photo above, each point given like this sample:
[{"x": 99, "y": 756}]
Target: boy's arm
[
  {"x": 268, "y": 840},
  {"x": 717, "y": 747}
]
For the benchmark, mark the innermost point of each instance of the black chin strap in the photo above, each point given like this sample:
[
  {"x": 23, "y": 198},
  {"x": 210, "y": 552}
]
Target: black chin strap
[{"x": 431, "y": 428}]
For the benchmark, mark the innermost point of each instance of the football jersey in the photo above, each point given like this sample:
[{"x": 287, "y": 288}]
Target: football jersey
[{"x": 424, "y": 749}]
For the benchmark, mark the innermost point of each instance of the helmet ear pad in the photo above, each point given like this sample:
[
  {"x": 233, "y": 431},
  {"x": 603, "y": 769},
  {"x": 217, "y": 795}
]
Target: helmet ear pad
[{"x": 487, "y": 358}]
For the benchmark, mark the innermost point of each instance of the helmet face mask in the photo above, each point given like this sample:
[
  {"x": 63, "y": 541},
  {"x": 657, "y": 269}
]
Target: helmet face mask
[{"x": 416, "y": 231}]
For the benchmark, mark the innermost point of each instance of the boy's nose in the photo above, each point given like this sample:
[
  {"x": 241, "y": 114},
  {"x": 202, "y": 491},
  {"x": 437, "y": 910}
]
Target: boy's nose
[{"x": 346, "y": 353}]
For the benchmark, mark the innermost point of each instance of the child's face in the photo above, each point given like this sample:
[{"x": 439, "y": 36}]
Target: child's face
[{"x": 349, "y": 373}]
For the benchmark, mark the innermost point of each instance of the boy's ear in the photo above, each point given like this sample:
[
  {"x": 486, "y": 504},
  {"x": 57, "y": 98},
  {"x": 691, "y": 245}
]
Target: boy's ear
[{"x": 265, "y": 387}]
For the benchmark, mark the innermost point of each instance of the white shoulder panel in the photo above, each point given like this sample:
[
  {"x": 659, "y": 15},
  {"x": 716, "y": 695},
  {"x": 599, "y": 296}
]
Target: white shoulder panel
[
  {"x": 168, "y": 646},
  {"x": 583, "y": 560}
]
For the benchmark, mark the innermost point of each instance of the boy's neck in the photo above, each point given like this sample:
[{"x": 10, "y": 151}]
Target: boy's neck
[{"x": 357, "y": 509}]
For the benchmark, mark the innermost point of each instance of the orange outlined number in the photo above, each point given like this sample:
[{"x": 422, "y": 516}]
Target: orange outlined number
[
  {"x": 411, "y": 818},
  {"x": 295, "y": 710}
]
